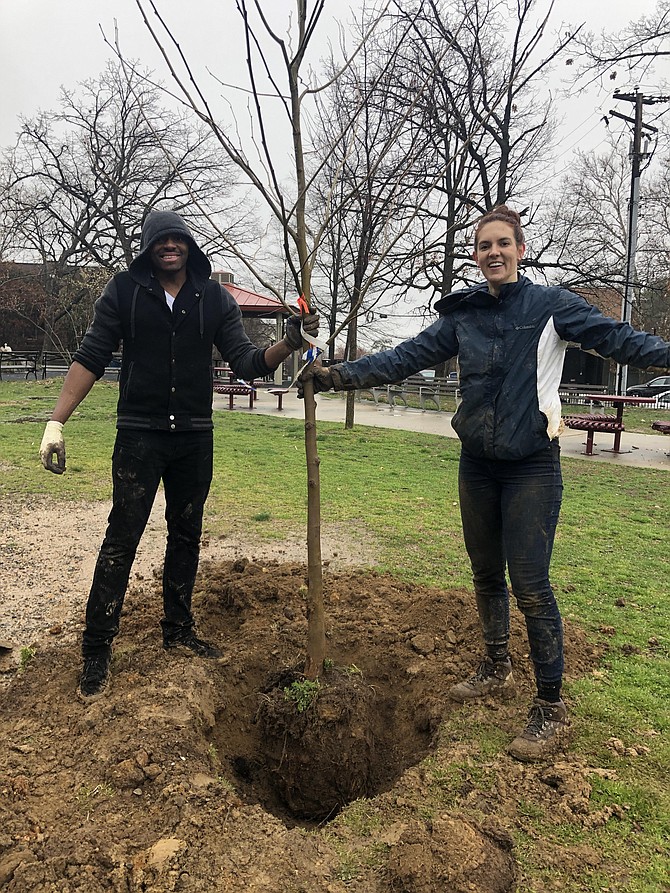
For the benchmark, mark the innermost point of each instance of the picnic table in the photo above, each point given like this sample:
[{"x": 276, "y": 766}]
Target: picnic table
[
  {"x": 279, "y": 393},
  {"x": 232, "y": 390},
  {"x": 19, "y": 363},
  {"x": 605, "y": 423},
  {"x": 233, "y": 387},
  {"x": 236, "y": 387}
]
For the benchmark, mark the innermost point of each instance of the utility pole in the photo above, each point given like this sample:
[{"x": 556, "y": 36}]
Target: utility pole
[{"x": 637, "y": 154}]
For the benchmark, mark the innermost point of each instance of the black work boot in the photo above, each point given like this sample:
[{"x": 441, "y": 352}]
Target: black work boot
[
  {"x": 546, "y": 722},
  {"x": 95, "y": 678},
  {"x": 492, "y": 678},
  {"x": 188, "y": 644}
]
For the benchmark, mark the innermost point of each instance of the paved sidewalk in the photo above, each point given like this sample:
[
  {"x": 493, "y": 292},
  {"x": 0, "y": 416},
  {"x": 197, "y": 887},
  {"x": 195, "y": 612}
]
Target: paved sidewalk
[{"x": 646, "y": 450}]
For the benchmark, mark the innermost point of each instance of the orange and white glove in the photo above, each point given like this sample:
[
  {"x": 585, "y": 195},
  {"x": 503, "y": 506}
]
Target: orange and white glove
[{"x": 309, "y": 322}]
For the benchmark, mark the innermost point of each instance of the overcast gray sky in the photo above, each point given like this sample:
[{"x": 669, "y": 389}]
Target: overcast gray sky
[{"x": 46, "y": 45}]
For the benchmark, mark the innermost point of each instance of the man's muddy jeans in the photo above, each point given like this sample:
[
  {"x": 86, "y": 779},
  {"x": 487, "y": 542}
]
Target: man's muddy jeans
[
  {"x": 183, "y": 461},
  {"x": 510, "y": 512}
]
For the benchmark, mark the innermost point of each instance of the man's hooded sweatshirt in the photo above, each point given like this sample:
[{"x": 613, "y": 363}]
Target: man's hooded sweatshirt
[{"x": 165, "y": 382}]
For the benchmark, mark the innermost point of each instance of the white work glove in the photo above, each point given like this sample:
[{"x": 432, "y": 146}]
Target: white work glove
[{"x": 53, "y": 444}]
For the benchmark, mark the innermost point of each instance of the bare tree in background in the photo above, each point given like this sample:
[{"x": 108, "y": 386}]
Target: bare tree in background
[
  {"x": 77, "y": 184},
  {"x": 655, "y": 294},
  {"x": 587, "y": 221},
  {"x": 462, "y": 99},
  {"x": 587, "y": 232},
  {"x": 631, "y": 52},
  {"x": 372, "y": 153},
  {"x": 652, "y": 288},
  {"x": 487, "y": 117}
]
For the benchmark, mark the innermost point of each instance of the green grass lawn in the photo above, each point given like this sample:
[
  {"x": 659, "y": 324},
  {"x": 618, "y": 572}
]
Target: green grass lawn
[{"x": 610, "y": 567}]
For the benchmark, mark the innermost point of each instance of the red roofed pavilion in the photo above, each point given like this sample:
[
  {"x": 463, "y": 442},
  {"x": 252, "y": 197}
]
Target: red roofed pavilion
[{"x": 251, "y": 303}]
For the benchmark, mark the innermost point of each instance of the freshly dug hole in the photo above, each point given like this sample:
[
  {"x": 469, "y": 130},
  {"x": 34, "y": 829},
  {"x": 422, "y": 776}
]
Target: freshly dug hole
[
  {"x": 319, "y": 744},
  {"x": 404, "y": 646}
]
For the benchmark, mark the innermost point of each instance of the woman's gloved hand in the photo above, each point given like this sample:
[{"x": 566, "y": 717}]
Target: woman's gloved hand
[{"x": 324, "y": 378}]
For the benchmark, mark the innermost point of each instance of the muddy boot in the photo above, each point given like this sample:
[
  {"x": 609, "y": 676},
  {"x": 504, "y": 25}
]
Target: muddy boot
[
  {"x": 94, "y": 680},
  {"x": 188, "y": 644},
  {"x": 546, "y": 723},
  {"x": 492, "y": 678}
]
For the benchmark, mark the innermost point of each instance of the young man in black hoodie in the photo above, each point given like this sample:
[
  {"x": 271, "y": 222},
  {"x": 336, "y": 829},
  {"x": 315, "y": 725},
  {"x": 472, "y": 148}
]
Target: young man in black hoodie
[{"x": 168, "y": 314}]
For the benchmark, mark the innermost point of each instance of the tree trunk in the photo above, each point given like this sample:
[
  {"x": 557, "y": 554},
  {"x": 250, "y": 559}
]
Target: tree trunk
[
  {"x": 351, "y": 351},
  {"x": 349, "y": 410},
  {"x": 316, "y": 627}
]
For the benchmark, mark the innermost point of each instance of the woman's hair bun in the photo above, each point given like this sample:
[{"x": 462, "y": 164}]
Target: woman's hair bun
[{"x": 502, "y": 214}]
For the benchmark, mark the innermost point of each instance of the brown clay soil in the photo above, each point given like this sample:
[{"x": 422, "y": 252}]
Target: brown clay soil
[{"x": 187, "y": 775}]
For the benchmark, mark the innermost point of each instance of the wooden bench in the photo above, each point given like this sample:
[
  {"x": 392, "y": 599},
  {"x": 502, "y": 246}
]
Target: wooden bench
[
  {"x": 48, "y": 362},
  {"x": 375, "y": 393},
  {"x": 279, "y": 394},
  {"x": 394, "y": 393},
  {"x": 430, "y": 392},
  {"x": 574, "y": 394},
  {"x": 415, "y": 386},
  {"x": 232, "y": 390},
  {"x": 419, "y": 386},
  {"x": 19, "y": 363},
  {"x": 58, "y": 363},
  {"x": 593, "y": 423},
  {"x": 390, "y": 392}
]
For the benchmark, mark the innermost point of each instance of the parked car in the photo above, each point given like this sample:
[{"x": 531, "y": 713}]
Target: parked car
[
  {"x": 664, "y": 399},
  {"x": 650, "y": 388}
]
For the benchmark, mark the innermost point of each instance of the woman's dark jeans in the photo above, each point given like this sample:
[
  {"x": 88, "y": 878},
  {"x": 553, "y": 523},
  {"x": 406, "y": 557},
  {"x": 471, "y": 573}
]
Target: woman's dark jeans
[
  {"x": 510, "y": 512},
  {"x": 183, "y": 461}
]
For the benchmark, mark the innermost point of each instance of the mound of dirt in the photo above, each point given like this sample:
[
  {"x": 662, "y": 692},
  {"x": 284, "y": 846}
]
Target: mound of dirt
[{"x": 170, "y": 782}]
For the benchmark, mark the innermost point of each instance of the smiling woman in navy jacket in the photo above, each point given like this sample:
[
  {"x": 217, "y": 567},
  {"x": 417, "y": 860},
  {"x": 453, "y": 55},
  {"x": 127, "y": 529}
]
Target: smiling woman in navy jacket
[{"x": 510, "y": 337}]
